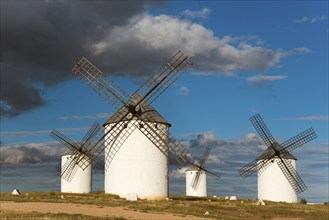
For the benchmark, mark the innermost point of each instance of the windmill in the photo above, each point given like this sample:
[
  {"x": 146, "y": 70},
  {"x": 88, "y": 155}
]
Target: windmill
[
  {"x": 196, "y": 177},
  {"x": 136, "y": 122},
  {"x": 278, "y": 179},
  {"x": 76, "y": 168}
]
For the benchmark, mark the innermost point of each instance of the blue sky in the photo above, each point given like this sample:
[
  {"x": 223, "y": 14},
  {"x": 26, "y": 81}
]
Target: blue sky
[{"x": 251, "y": 57}]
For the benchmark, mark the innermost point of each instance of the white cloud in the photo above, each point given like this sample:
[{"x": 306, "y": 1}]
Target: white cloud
[
  {"x": 245, "y": 39},
  {"x": 149, "y": 36},
  {"x": 38, "y": 132},
  {"x": 301, "y": 20},
  {"x": 76, "y": 117},
  {"x": 178, "y": 173},
  {"x": 259, "y": 80},
  {"x": 103, "y": 115},
  {"x": 310, "y": 20},
  {"x": 196, "y": 14},
  {"x": 298, "y": 50},
  {"x": 206, "y": 139},
  {"x": 213, "y": 159},
  {"x": 183, "y": 91},
  {"x": 309, "y": 118},
  {"x": 82, "y": 117},
  {"x": 31, "y": 153}
]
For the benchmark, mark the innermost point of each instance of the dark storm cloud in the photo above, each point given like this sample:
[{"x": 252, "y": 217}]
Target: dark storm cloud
[
  {"x": 41, "y": 41},
  {"x": 17, "y": 95}
]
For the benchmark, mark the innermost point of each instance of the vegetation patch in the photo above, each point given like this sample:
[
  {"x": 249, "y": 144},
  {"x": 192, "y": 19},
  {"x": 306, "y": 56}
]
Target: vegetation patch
[
  {"x": 5, "y": 214},
  {"x": 216, "y": 208}
]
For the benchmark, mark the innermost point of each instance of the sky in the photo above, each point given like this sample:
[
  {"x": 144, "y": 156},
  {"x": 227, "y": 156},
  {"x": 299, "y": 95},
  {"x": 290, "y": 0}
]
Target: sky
[{"x": 249, "y": 57}]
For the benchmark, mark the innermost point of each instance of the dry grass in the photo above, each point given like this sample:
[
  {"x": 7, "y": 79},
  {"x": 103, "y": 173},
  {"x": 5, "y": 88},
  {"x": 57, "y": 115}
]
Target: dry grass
[
  {"x": 5, "y": 214},
  {"x": 217, "y": 208}
]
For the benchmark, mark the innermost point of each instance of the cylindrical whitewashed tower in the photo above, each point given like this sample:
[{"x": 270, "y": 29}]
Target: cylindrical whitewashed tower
[
  {"x": 81, "y": 180},
  {"x": 200, "y": 189},
  {"x": 137, "y": 166},
  {"x": 273, "y": 184}
]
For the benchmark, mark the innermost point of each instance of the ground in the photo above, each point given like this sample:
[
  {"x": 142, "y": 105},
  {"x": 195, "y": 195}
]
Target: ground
[
  {"x": 99, "y": 206},
  {"x": 90, "y": 210}
]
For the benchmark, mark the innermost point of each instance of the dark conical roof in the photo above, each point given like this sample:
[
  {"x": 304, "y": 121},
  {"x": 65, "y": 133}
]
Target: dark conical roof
[
  {"x": 193, "y": 168},
  {"x": 147, "y": 112},
  {"x": 283, "y": 153}
]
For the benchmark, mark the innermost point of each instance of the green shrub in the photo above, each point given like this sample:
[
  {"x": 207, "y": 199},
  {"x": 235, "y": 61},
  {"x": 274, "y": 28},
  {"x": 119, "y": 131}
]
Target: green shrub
[
  {"x": 52, "y": 193},
  {"x": 303, "y": 201}
]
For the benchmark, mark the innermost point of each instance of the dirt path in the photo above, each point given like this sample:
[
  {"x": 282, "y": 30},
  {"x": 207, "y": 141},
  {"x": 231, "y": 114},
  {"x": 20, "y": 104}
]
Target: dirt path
[{"x": 91, "y": 210}]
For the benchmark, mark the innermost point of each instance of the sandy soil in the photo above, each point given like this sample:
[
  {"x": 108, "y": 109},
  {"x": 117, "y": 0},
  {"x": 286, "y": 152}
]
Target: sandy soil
[{"x": 91, "y": 210}]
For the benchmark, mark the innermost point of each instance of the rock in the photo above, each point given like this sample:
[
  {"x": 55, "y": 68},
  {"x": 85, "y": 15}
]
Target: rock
[
  {"x": 260, "y": 202},
  {"x": 16, "y": 192},
  {"x": 233, "y": 198},
  {"x": 132, "y": 196},
  {"x": 206, "y": 213}
]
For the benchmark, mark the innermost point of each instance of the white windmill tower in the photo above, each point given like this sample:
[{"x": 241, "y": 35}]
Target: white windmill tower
[
  {"x": 278, "y": 179},
  {"x": 139, "y": 167},
  {"x": 196, "y": 177},
  {"x": 136, "y": 139},
  {"x": 81, "y": 181},
  {"x": 76, "y": 162}
]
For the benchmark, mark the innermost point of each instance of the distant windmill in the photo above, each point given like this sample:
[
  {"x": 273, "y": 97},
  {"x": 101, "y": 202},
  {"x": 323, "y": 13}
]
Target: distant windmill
[
  {"x": 126, "y": 130},
  {"x": 76, "y": 168},
  {"x": 196, "y": 177},
  {"x": 278, "y": 179}
]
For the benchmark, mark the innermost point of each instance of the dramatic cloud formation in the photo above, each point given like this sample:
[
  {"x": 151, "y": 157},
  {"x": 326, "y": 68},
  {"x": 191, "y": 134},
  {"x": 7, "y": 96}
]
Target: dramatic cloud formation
[
  {"x": 30, "y": 166},
  {"x": 260, "y": 80},
  {"x": 203, "y": 140},
  {"x": 225, "y": 154},
  {"x": 41, "y": 41},
  {"x": 31, "y": 153},
  {"x": 210, "y": 54}
]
